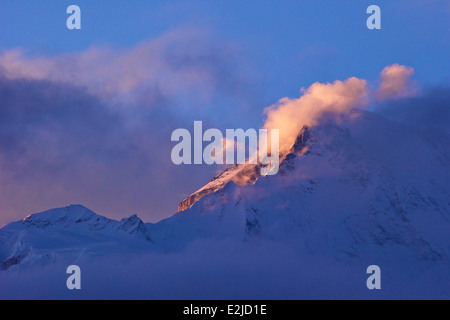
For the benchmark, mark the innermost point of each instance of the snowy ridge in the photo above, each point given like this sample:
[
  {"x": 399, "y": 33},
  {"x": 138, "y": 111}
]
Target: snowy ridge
[
  {"x": 70, "y": 231},
  {"x": 242, "y": 174},
  {"x": 357, "y": 190}
]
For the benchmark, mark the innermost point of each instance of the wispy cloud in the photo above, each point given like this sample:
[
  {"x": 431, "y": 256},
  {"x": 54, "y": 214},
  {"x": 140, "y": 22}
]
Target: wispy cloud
[
  {"x": 94, "y": 127},
  {"x": 175, "y": 63}
]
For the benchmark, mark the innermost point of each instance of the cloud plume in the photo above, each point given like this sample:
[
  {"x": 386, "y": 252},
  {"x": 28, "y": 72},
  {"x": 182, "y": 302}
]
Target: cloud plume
[
  {"x": 290, "y": 115},
  {"x": 321, "y": 99}
]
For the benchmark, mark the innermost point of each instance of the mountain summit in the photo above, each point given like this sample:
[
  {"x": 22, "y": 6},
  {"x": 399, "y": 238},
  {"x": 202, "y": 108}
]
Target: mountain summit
[
  {"x": 241, "y": 174},
  {"x": 72, "y": 231},
  {"x": 352, "y": 188}
]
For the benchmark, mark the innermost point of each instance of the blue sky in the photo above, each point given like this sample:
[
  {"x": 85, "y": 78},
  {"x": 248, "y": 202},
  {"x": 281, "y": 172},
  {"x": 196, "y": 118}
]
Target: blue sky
[
  {"x": 287, "y": 40},
  {"x": 248, "y": 55}
]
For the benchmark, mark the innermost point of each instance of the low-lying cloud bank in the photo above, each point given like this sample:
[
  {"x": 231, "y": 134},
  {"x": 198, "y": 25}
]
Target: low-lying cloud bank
[{"x": 224, "y": 270}]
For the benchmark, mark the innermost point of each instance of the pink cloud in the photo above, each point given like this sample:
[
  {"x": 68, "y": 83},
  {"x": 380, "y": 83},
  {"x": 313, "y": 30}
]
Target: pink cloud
[
  {"x": 177, "y": 62},
  {"x": 395, "y": 82},
  {"x": 290, "y": 115}
]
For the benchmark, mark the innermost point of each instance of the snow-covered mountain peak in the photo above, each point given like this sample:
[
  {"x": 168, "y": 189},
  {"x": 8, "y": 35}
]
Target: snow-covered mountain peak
[
  {"x": 351, "y": 188},
  {"x": 242, "y": 174},
  {"x": 70, "y": 231},
  {"x": 302, "y": 140},
  {"x": 66, "y": 217}
]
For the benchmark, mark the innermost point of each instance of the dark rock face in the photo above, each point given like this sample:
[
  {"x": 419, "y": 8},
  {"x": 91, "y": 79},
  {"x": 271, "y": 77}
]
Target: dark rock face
[{"x": 10, "y": 262}]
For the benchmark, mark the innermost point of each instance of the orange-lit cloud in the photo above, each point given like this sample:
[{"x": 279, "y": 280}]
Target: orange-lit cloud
[
  {"x": 290, "y": 115},
  {"x": 395, "y": 82}
]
